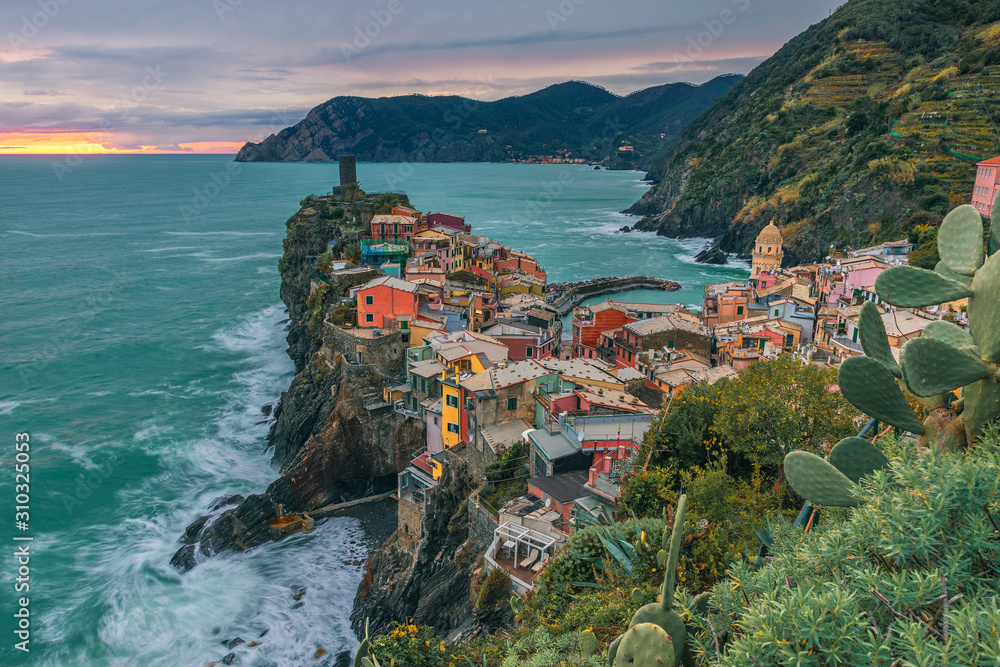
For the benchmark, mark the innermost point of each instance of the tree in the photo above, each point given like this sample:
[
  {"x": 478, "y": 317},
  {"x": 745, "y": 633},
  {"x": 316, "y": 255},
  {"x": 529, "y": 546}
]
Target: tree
[
  {"x": 774, "y": 407},
  {"x": 324, "y": 261},
  {"x": 352, "y": 252},
  {"x": 354, "y": 191}
]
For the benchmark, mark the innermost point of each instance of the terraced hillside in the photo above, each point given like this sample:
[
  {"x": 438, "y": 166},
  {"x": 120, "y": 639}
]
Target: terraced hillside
[{"x": 861, "y": 128}]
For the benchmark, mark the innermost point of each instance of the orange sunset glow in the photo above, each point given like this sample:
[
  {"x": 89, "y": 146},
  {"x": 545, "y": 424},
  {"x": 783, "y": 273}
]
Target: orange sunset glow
[{"x": 82, "y": 143}]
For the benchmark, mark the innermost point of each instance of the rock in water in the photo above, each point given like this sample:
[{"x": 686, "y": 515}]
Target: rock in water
[
  {"x": 223, "y": 501},
  {"x": 236, "y": 642},
  {"x": 343, "y": 659},
  {"x": 711, "y": 255},
  {"x": 184, "y": 558},
  {"x": 625, "y": 230}
]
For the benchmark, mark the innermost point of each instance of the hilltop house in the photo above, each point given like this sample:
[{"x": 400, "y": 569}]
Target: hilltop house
[
  {"x": 984, "y": 192},
  {"x": 385, "y": 302}
]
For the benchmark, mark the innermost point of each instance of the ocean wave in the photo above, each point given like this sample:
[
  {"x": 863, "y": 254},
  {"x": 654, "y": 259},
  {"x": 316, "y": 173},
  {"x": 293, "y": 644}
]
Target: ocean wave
[
  {"x": 7, "y": 407},
  {"x": 172, "y": 248},
  {"x": 221, "y": 233},
  {"x": 243, "y": 258}
]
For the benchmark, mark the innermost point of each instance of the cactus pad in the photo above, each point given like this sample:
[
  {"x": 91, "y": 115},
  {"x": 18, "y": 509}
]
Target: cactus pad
[
  {"x": 982, "y": 405},
  {"x": 947, "y": 332},
  {"x": 645, "y": 645},
  {"x": 943, "y": 269},
  {"x": 817, "y": 481},
  {"x": 932, "y": 367},
  {"x": 588, "y": 642},
  {"x": 912, "y": 287},
  {"x": 856, "y": 457},
  {"x": 984, "y": 309},
  {"x": 960, "y": 240},
  {"x": 874, "y": 339},
  {"x": 869, "y": 386}
]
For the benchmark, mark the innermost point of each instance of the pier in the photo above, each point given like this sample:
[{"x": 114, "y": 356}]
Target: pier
[{"x": 564, "y": 297}]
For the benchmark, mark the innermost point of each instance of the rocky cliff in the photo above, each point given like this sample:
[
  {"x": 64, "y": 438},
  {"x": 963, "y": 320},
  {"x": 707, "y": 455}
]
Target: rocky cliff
[
  {"x": 862, "y": 128},
  {"x": 328, "y": 447}
]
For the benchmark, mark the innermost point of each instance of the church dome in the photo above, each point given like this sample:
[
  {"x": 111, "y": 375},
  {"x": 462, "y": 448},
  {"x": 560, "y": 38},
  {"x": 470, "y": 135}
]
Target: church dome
[{"x": 770, "y": 234}]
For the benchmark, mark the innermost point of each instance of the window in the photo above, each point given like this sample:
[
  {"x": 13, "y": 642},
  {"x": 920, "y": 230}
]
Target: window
[
  {"x": 369, "y": 300},
  {"x": 512, "y": 403},
  {"x": 452, "y": 401},
  {"x": 452, "y": 427},
  {"x": 529, "y": 352},
  {"x": 435, "y": 421},
  {"x": 777, "y": 311},
  {"x": 739, "y": 310},
  {"x": 369, "y": 317},
  {"x": 671, "y": 343}
]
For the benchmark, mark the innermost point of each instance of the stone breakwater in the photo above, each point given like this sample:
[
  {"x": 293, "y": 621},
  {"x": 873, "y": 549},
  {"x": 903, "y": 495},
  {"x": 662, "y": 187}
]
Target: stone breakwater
[{"x": 564, "y": 297}]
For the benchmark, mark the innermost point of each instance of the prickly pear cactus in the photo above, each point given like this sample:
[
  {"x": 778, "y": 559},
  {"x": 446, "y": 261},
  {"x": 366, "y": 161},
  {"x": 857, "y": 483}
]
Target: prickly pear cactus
[
  {"x": 588, "y": 643},
  {"x": 662, "y": 613},
  {"x": 945, "y": 358},
  {"x": 645, "y": 645},
  {"x": 363, "y": 658}
]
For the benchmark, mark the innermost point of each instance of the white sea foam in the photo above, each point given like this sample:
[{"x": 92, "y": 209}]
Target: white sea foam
[
  {"x": 221, "y": 233},
  {"x": 7, "y": 407},
  {"x": 243, "y": 258}
]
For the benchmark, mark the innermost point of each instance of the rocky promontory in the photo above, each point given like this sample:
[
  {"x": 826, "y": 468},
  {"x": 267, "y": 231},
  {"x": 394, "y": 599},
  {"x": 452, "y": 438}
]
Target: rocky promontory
[{"x": 327, "y": 445}]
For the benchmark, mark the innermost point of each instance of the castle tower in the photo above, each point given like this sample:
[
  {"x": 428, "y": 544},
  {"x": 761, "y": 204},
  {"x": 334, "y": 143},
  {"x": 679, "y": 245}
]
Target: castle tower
[
  {"x": 348, "y": 170},
  {"x": 767, "y": 252}
]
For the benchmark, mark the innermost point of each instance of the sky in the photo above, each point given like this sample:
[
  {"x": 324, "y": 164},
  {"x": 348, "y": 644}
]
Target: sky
[{"x": 104, "y": 76}]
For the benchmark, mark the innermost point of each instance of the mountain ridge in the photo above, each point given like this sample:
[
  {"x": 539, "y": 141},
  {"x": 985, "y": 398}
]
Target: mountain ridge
[
  {"x": 581, "y": 118},
  {"x": 858, "y": 130}
]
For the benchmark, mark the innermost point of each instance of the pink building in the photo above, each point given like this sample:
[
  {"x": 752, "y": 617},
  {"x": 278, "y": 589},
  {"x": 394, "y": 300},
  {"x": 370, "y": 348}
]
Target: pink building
[
  {"x": 987, "y": 180},
  {"x": 456, "y": 222}
]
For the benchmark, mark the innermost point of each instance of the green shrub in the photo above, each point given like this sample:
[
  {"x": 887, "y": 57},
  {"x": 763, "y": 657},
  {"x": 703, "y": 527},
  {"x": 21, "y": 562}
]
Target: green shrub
[
  {"x": 869, "y": 585},
  {"x": 408, "y": 645},
  {"x": 496, "y": 590}
]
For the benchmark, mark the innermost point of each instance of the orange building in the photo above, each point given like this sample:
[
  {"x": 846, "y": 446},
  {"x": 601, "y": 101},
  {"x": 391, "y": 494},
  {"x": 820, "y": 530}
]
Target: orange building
[
  {"x": 385, "y": 301},
  {"x": 589, "y": 322},
  {"x": 726, "y": 302}
]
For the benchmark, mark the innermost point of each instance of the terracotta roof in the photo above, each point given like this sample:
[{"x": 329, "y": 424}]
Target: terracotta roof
[{"x": 391, "y": 282}]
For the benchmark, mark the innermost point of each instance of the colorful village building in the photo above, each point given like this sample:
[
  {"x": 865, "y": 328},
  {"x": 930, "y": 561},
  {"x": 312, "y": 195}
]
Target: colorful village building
[
  {"x": 385, "y": 302},
  {"x": 984, "y": 192}
]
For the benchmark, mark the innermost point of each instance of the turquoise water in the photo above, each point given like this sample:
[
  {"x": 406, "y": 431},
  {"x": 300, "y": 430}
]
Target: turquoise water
[{"x": 141, "y": 333}]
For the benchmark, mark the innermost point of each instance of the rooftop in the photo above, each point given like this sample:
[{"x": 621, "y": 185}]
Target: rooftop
[
  {"x": 563, "y": 488},
  {"x": 579, "y": 369},
  {"x": 505, "y": 434},
  {"x": 427, "y": 368},
  {"x": 393, "y": 283},
  {"x": 665, "y": 323}
]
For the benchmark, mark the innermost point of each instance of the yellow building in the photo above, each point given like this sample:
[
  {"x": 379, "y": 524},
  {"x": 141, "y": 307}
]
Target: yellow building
[
  {"x": 767, "y": 251},
  {"x": 451, "y": 410}
]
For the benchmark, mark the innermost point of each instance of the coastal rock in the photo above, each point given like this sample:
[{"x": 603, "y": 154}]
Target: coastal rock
[
  {"x": 223, "y": 501},
  {"x": 711, "y": 255},
  {"x": 236, "y": 642},
  {"x": 184, "y": 558},
  {"x": 625, "y": 229},
  {"x": 327, "y": 446},
  {"x": 193, "y": 531},
  {"x": 427, "y": 581},
  {"x": 266, "y": 409}
]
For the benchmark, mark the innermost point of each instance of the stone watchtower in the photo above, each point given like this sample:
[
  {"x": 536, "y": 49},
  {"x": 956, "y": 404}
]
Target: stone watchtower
[
  {"x": 348, "y": 170},
  {"x": 767, "y": 252}
]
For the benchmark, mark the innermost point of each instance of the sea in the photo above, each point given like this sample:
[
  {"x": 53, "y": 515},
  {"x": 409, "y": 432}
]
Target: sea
[{"x": 141, "y": 333}]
